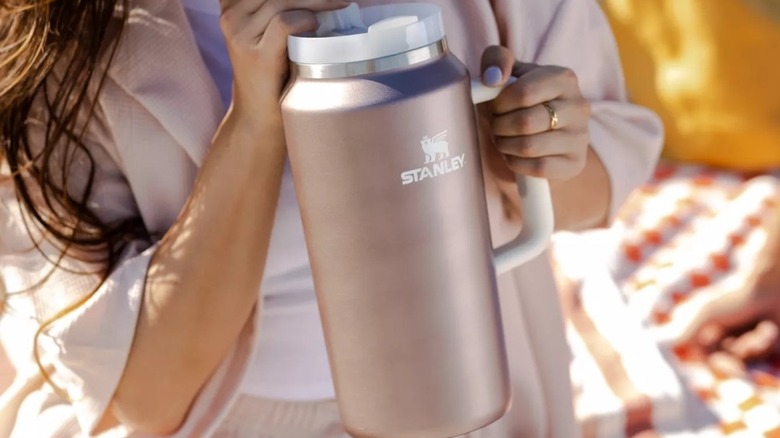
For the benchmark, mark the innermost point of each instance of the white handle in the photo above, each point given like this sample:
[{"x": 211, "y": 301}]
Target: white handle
[{"x": 538, "y": 218}]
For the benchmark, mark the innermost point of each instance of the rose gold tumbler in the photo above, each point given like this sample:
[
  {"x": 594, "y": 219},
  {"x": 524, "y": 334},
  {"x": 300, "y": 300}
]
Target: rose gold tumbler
[{"x": 382, "y": 138}]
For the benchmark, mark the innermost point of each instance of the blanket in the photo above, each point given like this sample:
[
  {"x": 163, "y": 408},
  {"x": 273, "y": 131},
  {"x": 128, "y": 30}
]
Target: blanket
[{"x": 688, "y": 242}]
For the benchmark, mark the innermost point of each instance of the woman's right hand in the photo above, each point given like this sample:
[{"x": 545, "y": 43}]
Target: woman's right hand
[{"x": 256, "y": 33}]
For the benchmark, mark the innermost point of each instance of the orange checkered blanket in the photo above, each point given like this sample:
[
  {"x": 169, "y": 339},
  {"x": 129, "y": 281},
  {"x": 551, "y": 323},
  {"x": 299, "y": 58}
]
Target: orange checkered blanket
[{"x": 687, "y": 239}]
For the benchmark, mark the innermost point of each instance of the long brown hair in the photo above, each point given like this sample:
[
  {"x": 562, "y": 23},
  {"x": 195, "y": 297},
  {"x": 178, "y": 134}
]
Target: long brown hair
[{"x": 71, "y": 38}]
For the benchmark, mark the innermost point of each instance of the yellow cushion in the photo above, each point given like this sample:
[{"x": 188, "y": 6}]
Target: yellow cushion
[{"x": 711, "y": 69}]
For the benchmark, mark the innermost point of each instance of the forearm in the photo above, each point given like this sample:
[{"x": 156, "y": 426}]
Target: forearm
[
  {"x": 204, "y": 278},
  {"x": 583, "y": 202}
]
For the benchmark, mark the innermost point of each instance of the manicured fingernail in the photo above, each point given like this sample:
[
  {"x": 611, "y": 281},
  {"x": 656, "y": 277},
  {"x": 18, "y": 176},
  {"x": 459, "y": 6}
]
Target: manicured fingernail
[{"x": 493, "y": 76}]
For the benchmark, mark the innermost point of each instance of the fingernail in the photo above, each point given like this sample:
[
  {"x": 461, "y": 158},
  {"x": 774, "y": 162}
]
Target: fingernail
[{"x": 493, "y": 76}]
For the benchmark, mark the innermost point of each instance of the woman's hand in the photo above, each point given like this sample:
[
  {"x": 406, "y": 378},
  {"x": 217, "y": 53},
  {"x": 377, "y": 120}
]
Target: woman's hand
[
  {"x": 746, "y": 330},
  {"x": 256, "y": 32},
  {"x": 523, "y": 125},
  {"x": 750, "y": 328},
  {"x": 737, "y": 319}
]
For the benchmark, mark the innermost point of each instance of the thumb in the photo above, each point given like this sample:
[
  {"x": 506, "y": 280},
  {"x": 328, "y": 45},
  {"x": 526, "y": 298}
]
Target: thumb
[{"x": 499, "y": 64}]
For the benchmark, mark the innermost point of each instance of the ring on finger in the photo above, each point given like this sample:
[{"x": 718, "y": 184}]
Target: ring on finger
[{"x": 554, "y": 121}]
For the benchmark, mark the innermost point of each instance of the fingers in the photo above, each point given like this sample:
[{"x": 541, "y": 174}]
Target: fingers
[
  {"x": 244, "y": 6},
  {"x": 536, "y": 87},
  {"x": 541, "y": 119},
  {"x": 499, "y": 64},
  {"x": 710, "y": 336},
  {"x": 755, "y": 344},
  {"x": 247, "y": 20},
  {"x": 282, "y": 25},
  {"x": 263, "y": 18},
  {"x": 523, "y": 124},
  {"x": 248, "y": 7},
  {"x": 537, "y": 146},
  {"x": 537, "y": 119},
  {"x": 547, "y": 155},
  {"x": 257, "y": 44},
  {"x": 727, "y": 365},
  {"x": 555, "y": 167},
  {"x": 722, "y": 321},
  {"x": 718, "y": 308}
]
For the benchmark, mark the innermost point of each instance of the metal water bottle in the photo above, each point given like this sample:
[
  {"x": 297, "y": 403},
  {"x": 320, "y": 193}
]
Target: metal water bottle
[{"x": 382, "y": 139}]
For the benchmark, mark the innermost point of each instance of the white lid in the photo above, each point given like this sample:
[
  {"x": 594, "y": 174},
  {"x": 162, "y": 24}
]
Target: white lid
[{"x": 353, "y": 34}]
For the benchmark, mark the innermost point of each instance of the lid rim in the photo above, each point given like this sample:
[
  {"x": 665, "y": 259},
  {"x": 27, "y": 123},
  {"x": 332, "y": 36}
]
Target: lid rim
[
  {"x": 380, "y": 43},
  {"x": 360, "y": 68}
]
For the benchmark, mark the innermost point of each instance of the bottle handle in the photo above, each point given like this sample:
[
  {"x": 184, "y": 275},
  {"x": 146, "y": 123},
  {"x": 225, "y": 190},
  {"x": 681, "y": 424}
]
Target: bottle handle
[{"x": 538, "y": 218}]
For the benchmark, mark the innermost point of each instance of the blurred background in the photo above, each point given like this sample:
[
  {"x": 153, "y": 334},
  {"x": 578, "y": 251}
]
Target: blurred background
[
  {"x": 711, "y": 70},
  {"x": 673, "y": 312}
]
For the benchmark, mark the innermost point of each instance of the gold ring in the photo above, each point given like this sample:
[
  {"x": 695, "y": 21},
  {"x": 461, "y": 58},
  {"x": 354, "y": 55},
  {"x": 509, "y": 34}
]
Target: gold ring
[{"x": 553, "y": 116}]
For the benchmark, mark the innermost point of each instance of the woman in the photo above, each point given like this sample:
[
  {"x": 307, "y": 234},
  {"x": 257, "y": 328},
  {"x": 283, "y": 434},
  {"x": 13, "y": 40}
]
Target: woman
[{"x": 176, "y": 341}]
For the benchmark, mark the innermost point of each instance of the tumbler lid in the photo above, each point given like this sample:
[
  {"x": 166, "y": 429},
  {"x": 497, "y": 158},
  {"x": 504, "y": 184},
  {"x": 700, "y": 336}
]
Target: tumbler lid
[{"x": 353, "y": 34}]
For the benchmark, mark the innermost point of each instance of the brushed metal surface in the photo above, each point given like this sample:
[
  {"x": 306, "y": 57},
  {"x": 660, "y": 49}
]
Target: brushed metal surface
[
  {"x": 404, "y": 273},
  {"x": 406, "y": 59}
]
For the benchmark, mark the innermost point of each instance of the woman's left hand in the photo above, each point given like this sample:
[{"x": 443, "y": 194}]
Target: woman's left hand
[{"x": 541, "y": 120}]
